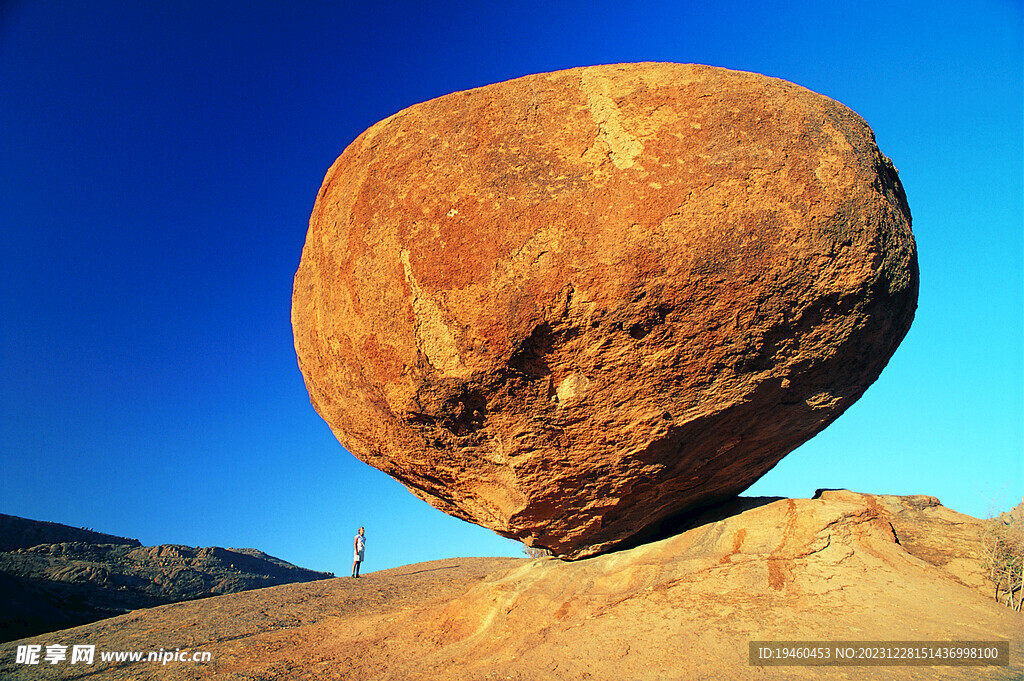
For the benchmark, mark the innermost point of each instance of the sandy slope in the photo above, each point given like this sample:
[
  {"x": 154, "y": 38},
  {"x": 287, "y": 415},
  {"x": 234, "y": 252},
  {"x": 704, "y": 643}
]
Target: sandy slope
[{"x": 833, "y": 568}]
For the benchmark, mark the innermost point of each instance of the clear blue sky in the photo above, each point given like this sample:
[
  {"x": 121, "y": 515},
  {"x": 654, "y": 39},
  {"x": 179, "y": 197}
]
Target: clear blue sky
[{"x": 160, "y": 160}]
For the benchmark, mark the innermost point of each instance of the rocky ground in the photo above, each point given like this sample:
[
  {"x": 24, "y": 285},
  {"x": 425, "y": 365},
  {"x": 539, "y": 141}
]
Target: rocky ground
[
  {"x": 840, "y": 567},
  {"x": 53, "y": 576}
]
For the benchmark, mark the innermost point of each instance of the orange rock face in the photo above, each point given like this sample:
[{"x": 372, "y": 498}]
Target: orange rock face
[{"x": 572, "y": 305}]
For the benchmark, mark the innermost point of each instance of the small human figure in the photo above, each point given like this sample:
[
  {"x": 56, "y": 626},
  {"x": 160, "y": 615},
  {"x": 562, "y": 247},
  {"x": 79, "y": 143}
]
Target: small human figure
[{"x": 360, "y": 547}]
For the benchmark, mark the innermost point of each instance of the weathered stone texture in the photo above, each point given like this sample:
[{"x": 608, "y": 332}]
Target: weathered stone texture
[{"x": 571, "y": 305}]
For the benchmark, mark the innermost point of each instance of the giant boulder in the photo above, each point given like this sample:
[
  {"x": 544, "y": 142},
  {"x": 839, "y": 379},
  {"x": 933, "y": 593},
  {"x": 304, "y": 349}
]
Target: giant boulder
[{"x": 572, "y": 305}]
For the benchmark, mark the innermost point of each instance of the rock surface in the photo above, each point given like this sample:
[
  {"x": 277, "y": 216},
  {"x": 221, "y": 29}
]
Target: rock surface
[
  {"x": 835, "y": 568},
  {"x": 1014, "y": 517},
  {"x": 88, "y": 576},
  {"x": 571, "y": 305}
]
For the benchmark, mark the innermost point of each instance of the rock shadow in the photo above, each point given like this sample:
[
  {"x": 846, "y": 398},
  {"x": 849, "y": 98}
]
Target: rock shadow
[
  {"x": 419, "y": 572},
  {"x": 693, "y": 518}
]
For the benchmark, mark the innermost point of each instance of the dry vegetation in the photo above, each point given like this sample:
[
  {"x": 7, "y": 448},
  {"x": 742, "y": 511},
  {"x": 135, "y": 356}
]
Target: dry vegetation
[{"x": 1004, "y": 560}]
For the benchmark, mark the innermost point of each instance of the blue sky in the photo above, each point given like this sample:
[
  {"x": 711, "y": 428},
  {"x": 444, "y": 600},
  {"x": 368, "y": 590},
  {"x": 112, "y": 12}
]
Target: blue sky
[{"x": 160, "y": 161}]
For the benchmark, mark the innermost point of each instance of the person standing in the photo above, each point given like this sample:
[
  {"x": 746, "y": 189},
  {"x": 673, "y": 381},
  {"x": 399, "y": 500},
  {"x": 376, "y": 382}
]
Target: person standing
[{"x": 360, "y": 548}]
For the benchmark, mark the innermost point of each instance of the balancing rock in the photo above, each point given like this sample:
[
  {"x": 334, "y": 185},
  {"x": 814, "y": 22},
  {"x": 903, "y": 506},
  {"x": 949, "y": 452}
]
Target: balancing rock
[{"x": 570, "y": 306}]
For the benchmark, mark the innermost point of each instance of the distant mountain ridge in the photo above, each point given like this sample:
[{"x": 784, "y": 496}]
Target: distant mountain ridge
[
  {"x": 22, "y": 533},
  {"x": 54, "y": 576}
]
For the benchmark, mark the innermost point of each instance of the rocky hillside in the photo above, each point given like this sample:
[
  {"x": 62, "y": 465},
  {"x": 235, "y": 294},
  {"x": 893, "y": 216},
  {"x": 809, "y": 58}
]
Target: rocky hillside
[
  {"x": 54, "y": 576},
  {"x": 1014, "y": 517},
  {"x": 22, "y": 533},
  {"x": 839, "y": 567}
]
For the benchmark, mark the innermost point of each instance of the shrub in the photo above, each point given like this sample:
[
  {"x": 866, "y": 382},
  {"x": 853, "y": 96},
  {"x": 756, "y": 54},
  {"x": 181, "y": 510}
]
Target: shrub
[{"x": 1004, "y": 560}]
